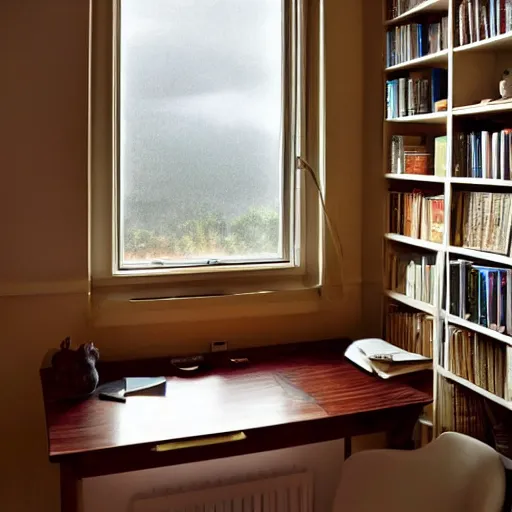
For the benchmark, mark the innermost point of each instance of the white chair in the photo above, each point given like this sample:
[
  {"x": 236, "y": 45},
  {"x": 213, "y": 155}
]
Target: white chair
[{"x": 454, "y": 473}]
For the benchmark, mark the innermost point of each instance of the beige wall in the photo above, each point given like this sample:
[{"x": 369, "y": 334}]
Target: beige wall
[
  {"x": 374, "y": 185},
  {"x": 44, "y": 219}
]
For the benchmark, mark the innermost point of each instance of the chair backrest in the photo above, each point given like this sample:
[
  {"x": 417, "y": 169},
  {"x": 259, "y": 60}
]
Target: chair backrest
[{"x": 454, "y": 473}]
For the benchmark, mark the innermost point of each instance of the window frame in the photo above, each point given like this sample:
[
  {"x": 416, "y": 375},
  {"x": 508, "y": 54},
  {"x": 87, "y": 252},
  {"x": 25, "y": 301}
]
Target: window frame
[
  {"x": 305, "y": 268},
  {"x": 291, "y": 111}
]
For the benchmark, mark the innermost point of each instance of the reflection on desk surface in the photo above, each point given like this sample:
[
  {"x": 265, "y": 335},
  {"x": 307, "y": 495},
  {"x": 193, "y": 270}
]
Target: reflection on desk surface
[{"x": 296, "y": 389}]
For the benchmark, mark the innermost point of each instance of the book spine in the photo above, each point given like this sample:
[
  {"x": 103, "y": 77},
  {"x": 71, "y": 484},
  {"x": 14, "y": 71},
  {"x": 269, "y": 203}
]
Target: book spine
[
  {"x": 508, "y": 373},
  {"x": 471, "y": 22},
  {"x": 495, "y": 171},
  {"x": 492, "y": 9},
  {"x": 472, "y": 295},
  {"x": 402, "y": 98},
  {"x": 411, "y": 101},
  {"x": 482, "y": 298},
  {"x": 476, "y": 19}
]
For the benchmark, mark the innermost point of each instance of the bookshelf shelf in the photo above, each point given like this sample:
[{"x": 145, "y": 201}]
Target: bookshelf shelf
[
  {"x": 478, "y": 328},
  {"x": 486, "y": 109},
  {"x": 481, "y": 255},
  {"x": 482, "y": 182},
  {"x": 413, "y": 303},
  {"x": 428, "y": 60},
  {"x": 424, "y": 7},
  {"x": 432, "y": 118},
  {"x": 416, "y": 242},
  {"x": 477, "y": 389},
  {"x": 497, "y": 43},
  {"x": 415, "y": 177}
]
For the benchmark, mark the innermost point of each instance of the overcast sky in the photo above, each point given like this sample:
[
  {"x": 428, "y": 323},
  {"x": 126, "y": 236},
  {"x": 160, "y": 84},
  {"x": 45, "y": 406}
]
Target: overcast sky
[{"x": 201, "y": 102}]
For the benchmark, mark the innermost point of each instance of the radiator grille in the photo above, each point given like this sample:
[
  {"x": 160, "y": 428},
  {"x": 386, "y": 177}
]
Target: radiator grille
[{"x": 288, "y": 493}]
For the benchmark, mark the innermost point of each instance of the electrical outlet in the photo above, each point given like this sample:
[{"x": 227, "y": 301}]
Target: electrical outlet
[{"x": 219, "y": 346}]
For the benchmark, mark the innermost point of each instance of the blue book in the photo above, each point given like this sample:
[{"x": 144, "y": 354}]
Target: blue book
[
  {"x": 506, "y": 157},
  {"x": 388, "y": 99},
  {"x": 492, "y": 299},
  {"x": 502, "y": 301},
  {"x": 438, "y": 85},
  {"x": 478, "y": 151},
  {"x": 492, "y": 22},
  {"x": 397, "y": 99},
  {"x": 492, "y": 283},
  {"x": 388, "y": 49},
  {"x": 483, "y": 287},
  {"x": 472, "y": 149}
]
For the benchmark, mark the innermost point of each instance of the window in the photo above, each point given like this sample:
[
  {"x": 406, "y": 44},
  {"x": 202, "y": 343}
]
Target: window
[
  {"x": 194, "y": 146},
  {"x": 205, "y": 133}
]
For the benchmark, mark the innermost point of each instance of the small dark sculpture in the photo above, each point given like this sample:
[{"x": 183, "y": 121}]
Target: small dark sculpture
[{"x": 75, "y": 371}]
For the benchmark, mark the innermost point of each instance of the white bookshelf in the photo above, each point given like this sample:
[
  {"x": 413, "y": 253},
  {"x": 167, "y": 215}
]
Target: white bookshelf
[
  {"x": 480, "y": 255},
  {"x": 438, "y": 58},
  {"x": 424, "y": 7},
  {"x": 433, "y": 118},
  {"x": 412, "y": 303},
  {"x": 415, "y": 177},
  {"x": 414, "y": 242},
  {"x": 471, "y": 326},
  {"x": 501, "y": 42},
  {"x": 474, "y": 71},
  {"x": 483, "y": 182},
  {"x": 483, "y": 109},
  {"x": 476, "y": 389}
]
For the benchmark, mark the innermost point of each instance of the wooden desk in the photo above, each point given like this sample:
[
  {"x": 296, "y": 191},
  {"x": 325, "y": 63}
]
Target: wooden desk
[{"x": 305, "y": 395}]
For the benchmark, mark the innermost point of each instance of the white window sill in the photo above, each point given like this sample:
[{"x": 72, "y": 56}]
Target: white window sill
[{"x": 116, "y": 310}]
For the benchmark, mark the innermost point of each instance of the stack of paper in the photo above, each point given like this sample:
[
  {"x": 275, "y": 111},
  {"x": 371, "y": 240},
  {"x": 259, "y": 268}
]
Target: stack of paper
[{"x": 386, "y": 360}]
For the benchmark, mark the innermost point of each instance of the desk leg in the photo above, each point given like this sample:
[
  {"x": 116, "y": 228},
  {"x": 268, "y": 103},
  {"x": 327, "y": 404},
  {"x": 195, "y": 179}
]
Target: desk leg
[
  {"x": 70, "y": 489},
  {"x": 401, "y": 437}
]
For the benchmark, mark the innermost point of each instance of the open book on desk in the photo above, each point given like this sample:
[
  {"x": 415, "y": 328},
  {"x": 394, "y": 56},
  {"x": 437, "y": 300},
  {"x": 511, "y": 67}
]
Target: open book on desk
[{"x": 378, "y": 356}]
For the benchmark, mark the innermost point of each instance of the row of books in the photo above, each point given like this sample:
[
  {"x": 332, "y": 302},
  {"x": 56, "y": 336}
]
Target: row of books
[
  {"x": 462, "y": 410},
  {"x": 399, "y": 7},
  {"x": 407, "y": 42},
  {"x": 480, "y": 19},
  {"x": 412, "y": 154},
  {"x": 459, "y": 410},
  {"x": 410, "y": 331},
  {"x": 483, "y": 154},
  {"x": 482, "y": 221},
  {"x": 483, "y": 361},
  {"x": 412, "y": 275},
  {"x": 417, "y": 215},
  {"x": 416, "y": 93},
  {"x": 482, "y": 295}
]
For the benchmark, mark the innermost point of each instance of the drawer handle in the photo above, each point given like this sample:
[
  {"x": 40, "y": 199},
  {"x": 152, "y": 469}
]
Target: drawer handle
[{"x": 196, "y": 443}]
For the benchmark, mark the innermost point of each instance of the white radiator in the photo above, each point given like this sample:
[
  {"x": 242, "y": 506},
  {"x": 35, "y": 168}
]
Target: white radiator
[{"x": 288, "y": 493}]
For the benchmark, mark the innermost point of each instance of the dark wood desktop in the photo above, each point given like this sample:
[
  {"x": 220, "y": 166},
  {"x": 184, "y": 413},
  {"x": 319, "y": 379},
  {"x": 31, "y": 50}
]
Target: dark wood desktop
[{"x": 286, "y": 396}]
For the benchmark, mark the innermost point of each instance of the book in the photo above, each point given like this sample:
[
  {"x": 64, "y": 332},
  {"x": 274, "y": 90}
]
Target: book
[
  {"x": 481, "y": 294},
  {"x": 396, "y": 8},
  {"x": 417, "y": 215},
  {"x": 409, "y": 155},
  {"x": 413, "y": 275},
  {"x": 416, "y": 92},
  {"x": 384, "y": 359},
  {"x": 117, "y": 391},
  {"x": 440, "y": 154},
  {"x": 483, "y": 154},
  {"x": 477, "y": 20},
  {"x": 482, "y": 221},
  {"x": 463, "y": 411},
  {"x": 411, "y": 331}
]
